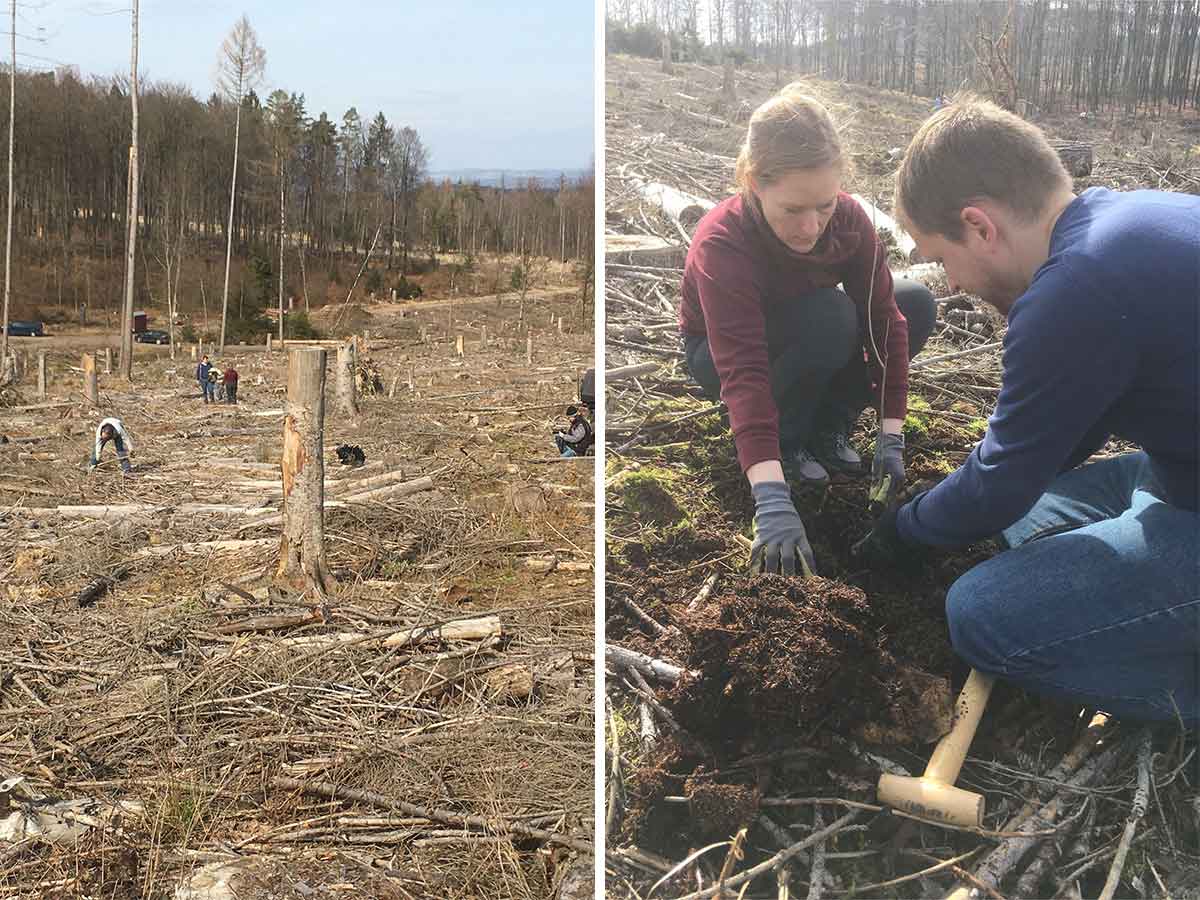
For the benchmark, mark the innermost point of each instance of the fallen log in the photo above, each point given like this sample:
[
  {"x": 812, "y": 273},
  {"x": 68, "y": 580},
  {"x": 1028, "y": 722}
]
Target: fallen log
[
  {"x": 555, "y": 565},
  {"x": 424, "y": 483},
  {"x": 620, "y": 658},
  {"x": 623, "y": 373},
  {"x": 205, "y": 547},
  {"x": 462, "y": 630},
  {"x": 879, "y": 219},
  {"x": 685, "y": 208},
  {"x": 643, "y": 250}
]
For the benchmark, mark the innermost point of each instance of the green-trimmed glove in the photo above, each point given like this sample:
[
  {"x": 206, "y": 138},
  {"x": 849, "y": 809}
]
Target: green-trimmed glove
[
  {"x": 887, "y": 470},
  {"x": 779, "y": 536}
]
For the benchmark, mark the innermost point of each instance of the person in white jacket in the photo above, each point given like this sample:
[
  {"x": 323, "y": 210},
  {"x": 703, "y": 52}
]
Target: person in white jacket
[{"x": 112, "y": 429}]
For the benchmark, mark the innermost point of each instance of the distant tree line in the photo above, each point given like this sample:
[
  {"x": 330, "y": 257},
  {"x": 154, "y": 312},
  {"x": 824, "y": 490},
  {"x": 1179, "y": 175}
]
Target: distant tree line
[
  {"x": 1128, "y": 55},
  {"x": 307, "y": 187}
]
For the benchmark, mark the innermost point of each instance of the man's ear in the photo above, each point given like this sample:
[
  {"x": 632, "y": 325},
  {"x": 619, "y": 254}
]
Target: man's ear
[{"x": 976, "y": 221}]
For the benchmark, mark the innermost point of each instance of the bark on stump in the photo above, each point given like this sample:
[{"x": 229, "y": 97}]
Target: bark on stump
[
  {"x": 91, "y": 389},
  {"x": 108, "y": 360},
  {"x": 195, "y": 353},
  {"x": 268, "y": 342},
  {"x": 42, "y": 374},
  {"x": 458, "y": 345},
  {"x": 529, "y": 351},
  {"x": 302, "y": 542},
  {"x": 347, "y": 394},
  {"x": 483, "y": 336}
]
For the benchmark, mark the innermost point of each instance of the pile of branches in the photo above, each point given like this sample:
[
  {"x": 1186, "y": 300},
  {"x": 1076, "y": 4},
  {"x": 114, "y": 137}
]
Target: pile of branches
[{"x": 225, "y": 707}]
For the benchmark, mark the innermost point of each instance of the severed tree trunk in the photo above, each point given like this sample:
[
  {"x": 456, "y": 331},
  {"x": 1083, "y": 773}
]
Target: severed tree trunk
[
  {"x": 347, "y": 389},
  {"x": 42, "y": 374},
  {"x": 131, "y": 240},
  {"x": 302, "y": 543},
  {"x": 12, "y": 105},
  {"x": 91, "y": 390}
]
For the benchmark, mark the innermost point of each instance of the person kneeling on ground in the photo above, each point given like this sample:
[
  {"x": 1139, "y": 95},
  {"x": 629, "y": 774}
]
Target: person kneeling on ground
[
  {"x": 112, "y": 429},
  {"x": 203, "y": 371},
  {"x": 577, "y": 440},
  {"x": 230, "y": 380},
  {"x": 1095, "y": 599},
  {"x": 766, "y": 329}
]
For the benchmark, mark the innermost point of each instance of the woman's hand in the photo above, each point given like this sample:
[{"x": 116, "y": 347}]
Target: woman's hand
[{"x": 779, "y": 537}]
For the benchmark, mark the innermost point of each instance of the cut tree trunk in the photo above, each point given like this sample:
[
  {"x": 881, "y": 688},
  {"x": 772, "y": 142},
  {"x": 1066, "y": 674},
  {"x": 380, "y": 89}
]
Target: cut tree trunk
[
  {"x": 42, "y": 374},
  {"x": 302, "y": 542},
  {"x": 347, "y": 393},
  {"x": 91, "y": 390},
  {"x": 1077, "y": 156}
]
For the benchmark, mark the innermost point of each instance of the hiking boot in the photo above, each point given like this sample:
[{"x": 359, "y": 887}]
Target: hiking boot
[
  {"x": 803, "y": 468},
  {"x": 833, "y": 449}
]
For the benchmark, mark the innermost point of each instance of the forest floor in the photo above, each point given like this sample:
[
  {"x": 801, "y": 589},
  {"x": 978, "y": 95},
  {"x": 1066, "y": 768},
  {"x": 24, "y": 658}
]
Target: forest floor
[
  {"x": 775, "y": 704},
  {"x": 427, "y": 732}
]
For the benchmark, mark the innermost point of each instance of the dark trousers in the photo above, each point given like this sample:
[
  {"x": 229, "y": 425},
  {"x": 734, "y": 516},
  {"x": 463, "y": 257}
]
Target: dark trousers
[
  {"x": 231, "y": 391},
  {"x": 819, "y": 375}
]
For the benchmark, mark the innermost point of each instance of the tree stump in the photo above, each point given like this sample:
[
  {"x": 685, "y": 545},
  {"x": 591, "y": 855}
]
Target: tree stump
[
  {"x": 42, "y": 374},
  {"x": 91, "y": 389},
  {"x": 529, "y": 350},
  {"x": 728, "y": 85},
  {"x": 108, "y": 360},
  {"x": 347, "y": 393},
  {"x": 302, "y": 542},
  {"x": 458, "y": 345},
  {"x": 1077, "y": 156}
]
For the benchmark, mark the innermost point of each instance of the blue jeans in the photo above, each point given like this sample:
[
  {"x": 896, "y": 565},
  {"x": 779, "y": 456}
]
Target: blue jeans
[
  {"x": 1097, "y": 599},
  {"x": 209, "y": 389}
]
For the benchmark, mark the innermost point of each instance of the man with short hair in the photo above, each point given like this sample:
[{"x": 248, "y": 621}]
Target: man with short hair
[
  {"x": 112, "y": 429},
  {"x": 1096, "y": 598},
  {"x": 202, "y": 373}
]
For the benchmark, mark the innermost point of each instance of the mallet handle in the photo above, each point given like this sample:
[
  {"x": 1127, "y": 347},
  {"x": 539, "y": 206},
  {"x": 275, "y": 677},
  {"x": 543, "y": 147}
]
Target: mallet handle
[{"x": 948, "y": 755}]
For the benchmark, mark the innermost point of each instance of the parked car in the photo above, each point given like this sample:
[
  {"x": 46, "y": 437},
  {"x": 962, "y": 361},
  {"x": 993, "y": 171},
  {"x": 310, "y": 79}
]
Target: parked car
[
  {"x": 152, "y": 337},
  {"x": 25, "y": 329}
]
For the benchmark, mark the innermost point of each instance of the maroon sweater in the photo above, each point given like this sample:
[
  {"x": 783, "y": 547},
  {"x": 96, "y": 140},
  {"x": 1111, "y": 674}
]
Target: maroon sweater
[{"x": 737, "y": 267}]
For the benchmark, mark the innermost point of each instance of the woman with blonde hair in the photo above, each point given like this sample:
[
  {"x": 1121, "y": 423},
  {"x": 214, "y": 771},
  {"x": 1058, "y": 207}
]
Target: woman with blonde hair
[{"x": 790, "y": 315}]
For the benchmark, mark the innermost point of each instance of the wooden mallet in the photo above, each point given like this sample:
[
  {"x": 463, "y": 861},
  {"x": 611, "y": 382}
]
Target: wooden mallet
[{"x": 933, "y": 795}]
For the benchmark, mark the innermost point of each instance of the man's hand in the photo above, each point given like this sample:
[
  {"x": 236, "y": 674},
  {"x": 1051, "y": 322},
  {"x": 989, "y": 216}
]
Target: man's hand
[
  {"x": 884, "y": 548},
  {"x": 887, "y": 471},
  {"x": 780, "y": 543}
]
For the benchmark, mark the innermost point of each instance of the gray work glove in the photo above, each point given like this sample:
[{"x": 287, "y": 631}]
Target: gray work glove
[
  {"x": 887, "y": 471},
  {"x": 778, "y": 532}
]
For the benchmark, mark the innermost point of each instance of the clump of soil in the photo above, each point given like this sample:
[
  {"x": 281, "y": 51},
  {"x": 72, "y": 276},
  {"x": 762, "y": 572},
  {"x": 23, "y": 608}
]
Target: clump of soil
[
  {"x": 778, "y": 653},
  {"x": 720, "y": 809}
]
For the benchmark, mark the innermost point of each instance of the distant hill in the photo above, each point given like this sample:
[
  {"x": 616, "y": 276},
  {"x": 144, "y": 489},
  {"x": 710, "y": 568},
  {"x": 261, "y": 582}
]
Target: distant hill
[{"x": 512, "y": 178}]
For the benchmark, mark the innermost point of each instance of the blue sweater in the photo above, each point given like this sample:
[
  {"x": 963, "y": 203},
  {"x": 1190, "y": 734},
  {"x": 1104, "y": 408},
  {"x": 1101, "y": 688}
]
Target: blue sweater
[{"x": 1104, "y": 342}]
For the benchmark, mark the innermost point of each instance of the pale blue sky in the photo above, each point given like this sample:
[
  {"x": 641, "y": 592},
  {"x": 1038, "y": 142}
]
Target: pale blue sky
[{"x": 485, "y": 84}]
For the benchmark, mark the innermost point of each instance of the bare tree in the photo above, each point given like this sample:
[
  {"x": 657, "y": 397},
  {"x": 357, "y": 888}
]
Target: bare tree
[
  {"x": 131, "y": 241},
  {"x": 12, "y": 106},
  {"x": 239, "y": 67}
]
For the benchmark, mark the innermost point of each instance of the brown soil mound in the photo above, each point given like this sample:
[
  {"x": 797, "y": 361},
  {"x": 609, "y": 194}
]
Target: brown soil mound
[{"x": 779, "y": 653}]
